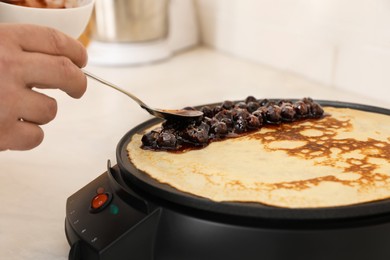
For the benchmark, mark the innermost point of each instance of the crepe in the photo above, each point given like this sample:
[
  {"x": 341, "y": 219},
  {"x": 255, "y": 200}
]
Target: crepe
[{"x": 341, "y": 159}]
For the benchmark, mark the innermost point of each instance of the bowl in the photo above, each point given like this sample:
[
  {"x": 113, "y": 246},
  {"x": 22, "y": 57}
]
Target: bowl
[{"x": 71, "y": 21}]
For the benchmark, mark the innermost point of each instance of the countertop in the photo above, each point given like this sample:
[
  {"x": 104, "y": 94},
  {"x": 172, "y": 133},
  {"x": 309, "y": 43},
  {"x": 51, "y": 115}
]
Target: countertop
[{"x": 35, "y": 184}]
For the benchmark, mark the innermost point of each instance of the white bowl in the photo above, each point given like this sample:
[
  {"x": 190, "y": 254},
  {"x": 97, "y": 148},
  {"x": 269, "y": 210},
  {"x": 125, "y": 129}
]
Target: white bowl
[{"x": 71, "y": 21}]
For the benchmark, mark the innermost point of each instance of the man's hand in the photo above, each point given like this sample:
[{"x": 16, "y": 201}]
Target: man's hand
[{"x": 35, "y": 57}]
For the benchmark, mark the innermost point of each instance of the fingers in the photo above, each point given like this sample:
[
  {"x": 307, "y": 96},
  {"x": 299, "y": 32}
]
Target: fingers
[
  {"x": 24, "y": 136},
  {"x": 46, "y": 71},
  {"x": 36, "y": 108},
  {"x": 20, "y": 118},
  {"x": 42, "y": 57},
  {"x": 50, "y": 41}
]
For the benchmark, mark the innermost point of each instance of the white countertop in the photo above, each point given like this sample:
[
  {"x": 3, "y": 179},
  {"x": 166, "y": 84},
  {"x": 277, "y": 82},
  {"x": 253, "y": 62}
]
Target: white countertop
[{"x": 34, "y": 185}]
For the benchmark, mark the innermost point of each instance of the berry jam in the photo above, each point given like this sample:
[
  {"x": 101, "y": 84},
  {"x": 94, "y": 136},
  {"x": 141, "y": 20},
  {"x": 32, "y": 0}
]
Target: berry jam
[{"x": 226, "y": 120}]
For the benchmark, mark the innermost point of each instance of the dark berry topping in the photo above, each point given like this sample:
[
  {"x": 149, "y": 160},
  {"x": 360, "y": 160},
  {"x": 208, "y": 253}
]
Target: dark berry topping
[
  {"x": 273, "y": 114},
  {"x": 263, "y": 102},
  {"x": 166, "y": 140},
  {"x": 253, "y": 122},
  {"x": 220, "y": 129},
  {"x": 228, "y": 104},
  {"x": 229, "y": 119},
  {"x": 301, "y": 109},
  {"x": 250, "y": 99},
  {"x": 207, "y": 111},
  {"x": 252, "y": 106},
  {"x": 287, "y": 112},
  {"x": 217, "y": 109},
  {"x": 241, "y": 105}
]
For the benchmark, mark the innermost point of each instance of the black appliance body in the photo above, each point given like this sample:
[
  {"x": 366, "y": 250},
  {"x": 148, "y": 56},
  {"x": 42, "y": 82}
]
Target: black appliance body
[{"x": 123, "y": 214}]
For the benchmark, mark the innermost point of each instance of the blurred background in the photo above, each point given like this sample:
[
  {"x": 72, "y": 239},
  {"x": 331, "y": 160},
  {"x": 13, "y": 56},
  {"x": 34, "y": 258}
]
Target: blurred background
[
  {"x": 345, "y": 43},
  {"x": 342, "y": 44}
]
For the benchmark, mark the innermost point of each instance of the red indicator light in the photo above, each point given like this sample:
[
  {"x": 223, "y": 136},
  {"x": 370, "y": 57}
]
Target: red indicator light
[{"x": 99, "y": 201}]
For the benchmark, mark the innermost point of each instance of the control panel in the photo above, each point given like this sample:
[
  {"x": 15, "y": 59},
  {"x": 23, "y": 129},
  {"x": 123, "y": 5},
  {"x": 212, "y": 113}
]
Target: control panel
[{"x": 98, "y": 215}]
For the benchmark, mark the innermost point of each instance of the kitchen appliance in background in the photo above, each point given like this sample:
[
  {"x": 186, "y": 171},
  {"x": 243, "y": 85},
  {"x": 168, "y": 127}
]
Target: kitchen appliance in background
[{"x": 133, "y": 32}]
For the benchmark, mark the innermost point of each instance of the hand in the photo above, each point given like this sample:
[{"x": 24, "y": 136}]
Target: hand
[{"x": 35, "y": 57}]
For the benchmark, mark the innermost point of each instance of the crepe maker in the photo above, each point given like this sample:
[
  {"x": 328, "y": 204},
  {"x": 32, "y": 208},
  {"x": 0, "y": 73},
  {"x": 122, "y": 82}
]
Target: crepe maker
[{"x": 123, "y": 214}]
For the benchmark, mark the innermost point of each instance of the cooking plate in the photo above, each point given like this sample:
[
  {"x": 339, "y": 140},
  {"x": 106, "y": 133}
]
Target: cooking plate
[{"x": 178, "y": 198}]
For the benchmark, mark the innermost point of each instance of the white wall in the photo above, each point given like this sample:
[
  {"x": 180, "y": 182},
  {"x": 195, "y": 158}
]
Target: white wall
[{"x": 341, "y": 43}]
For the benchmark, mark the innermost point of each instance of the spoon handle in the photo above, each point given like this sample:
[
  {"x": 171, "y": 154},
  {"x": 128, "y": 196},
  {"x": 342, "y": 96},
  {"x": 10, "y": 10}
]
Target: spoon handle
[{"x": 109, "y": 84}]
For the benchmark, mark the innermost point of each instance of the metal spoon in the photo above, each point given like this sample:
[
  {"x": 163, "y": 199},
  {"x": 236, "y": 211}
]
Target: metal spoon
[{"x": 168, "y": 114}]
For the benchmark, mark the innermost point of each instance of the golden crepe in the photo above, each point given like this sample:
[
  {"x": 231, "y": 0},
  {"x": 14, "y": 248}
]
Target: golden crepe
[{"x": 340, "y": 159}]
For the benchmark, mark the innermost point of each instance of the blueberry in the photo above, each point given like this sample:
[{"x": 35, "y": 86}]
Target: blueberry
[
  {"x": 167, "y": 140},
  {"x": 207, "y": 111},
  {"x": 284, "y": 102},
  {"x": 149, "y": 139},
  {"x": 252, "y": 106},
  {"x": 223, "y": 114},
  {"x": 260, "y": 116},
  {"x": 308, "y": 102},
  {"x": 253, "y": 122},
  {"x": 241, "y": 105},
  {"x": 263, "y": 102},
  {"x": 287, "y": 112},
  {"x": 240, "y": 113},
  {"x": 301, "y": 109},
  {"x": 316, "y": 110},
  {"x": 250, "y": 99},
  {"x": 240, "y": 126},
  {"x": 228, "y": 122},
  {"x": 198, "y": 134},
  {"x": 273, "y": 114},
  {"x": 228, "y": 104},
  {"x": 220, "y": 128}
]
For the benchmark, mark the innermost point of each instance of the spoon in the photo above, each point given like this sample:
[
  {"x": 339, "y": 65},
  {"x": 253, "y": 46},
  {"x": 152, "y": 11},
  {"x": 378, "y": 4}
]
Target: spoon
[{"x": 168, "y": 114}]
